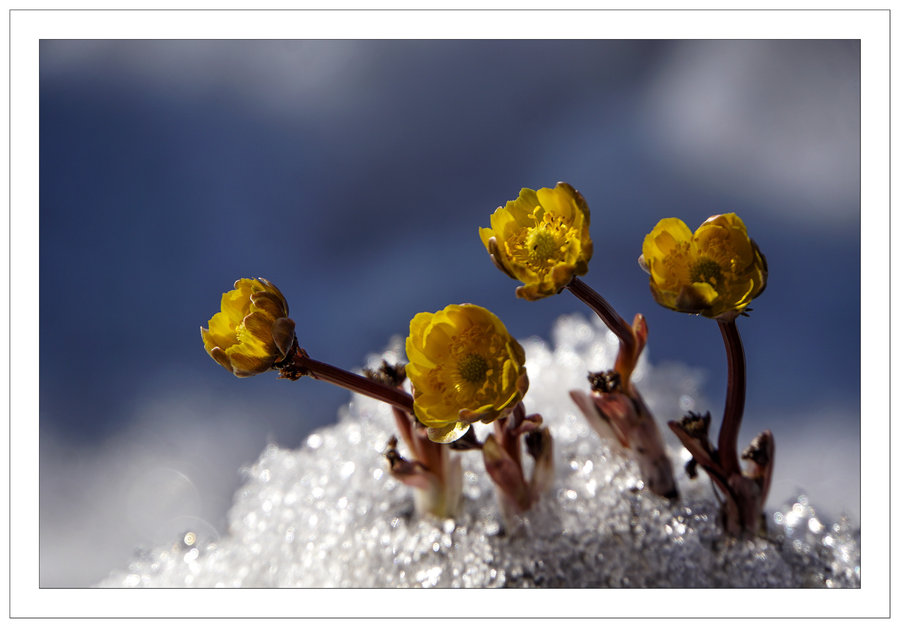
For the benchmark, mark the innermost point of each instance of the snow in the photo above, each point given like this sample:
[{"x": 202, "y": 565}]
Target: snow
[{"x": 330, "y": 515}]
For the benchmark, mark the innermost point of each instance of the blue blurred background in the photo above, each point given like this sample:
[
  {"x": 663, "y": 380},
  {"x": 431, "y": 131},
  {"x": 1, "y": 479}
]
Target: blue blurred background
[{"x": 355, "y": 175}]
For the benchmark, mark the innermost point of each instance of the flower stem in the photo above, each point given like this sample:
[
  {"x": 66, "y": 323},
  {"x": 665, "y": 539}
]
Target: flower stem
[
  {"x": 504, "y": 429},
  {"x": 607, "y": 314},
  {"x": 305, "y": 365},
  {"x": 734, "y": 397}
]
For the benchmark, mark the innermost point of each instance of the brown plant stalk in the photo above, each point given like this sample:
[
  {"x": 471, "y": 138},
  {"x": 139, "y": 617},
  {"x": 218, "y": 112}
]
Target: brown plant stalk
[
  {"x": 744, "y": 490},
  {"x": 615, "y": 405}
]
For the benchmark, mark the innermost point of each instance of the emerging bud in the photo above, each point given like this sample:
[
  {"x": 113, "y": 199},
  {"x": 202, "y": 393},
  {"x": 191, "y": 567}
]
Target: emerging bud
[
  {"x": 697, "y": 425},
  {"x": 540, "y": 447},
  {"x": 507, "y": 475},
  {"x": 438, "y": 486},
  {"x": 625, "y": 418},
  {"x": 387, "y": 374},
  {"x": 252, "y": 330}
]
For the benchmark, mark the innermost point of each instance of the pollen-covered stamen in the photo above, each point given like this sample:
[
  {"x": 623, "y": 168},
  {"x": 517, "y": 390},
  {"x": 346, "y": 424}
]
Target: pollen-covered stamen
[
  {"x": 542, "y": 245},
  {"x": 473, "y": 368},
  {"x": 705, "y": 270}
]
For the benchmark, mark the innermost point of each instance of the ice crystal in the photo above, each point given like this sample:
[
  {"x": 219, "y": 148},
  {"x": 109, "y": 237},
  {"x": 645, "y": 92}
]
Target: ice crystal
[{"x": 330, "y": 515}]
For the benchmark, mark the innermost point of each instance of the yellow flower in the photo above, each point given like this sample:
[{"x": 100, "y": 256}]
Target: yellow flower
[
  {"x": 716, "y": 271},
  {"x": 252, "y": 331},
  {"x": 464, "y": 367},
  {"x": 541, "y": 239}
]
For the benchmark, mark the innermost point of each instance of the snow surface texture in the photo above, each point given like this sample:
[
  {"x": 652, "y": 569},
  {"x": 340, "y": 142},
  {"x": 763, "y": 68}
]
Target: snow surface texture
[{"x": 330, "y": 515}]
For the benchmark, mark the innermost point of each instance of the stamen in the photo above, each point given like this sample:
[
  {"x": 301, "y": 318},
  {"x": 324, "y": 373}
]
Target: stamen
[
  {"x": 473, "y": 368},
  {"x": 707, "y": 271},
  {"x": 541, "y": 245}
]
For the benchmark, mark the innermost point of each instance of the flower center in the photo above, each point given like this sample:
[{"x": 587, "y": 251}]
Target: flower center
[
  {"x": 473, "y": 368},
  {"x": 541, "y": 244},
  {"x": 707, "y": 271}
]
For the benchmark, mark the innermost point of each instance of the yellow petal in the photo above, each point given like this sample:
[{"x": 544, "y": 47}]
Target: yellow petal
[
  {"x": 485, "y": 234},
  {"x": 532, "y": 292},
  {"x": 449, "y": 433},
  {"x": 705, "y": 291},
  {"x": 246, "y": 365},
  {"x": 557, "y": 201},
  {"x": 221, "y": 331},
  {"x": 522, "y": 209},
  {"x": 505, "y": 222},
  {"x": 268, "y": 303},
  {"x": 665, "y": 237},
  {"x": 562, "y": 275},
  {"x": 485, "y": 413},
  {"x": 415, "y": 340},
  {"x": 437, "y": 341},
  {"x": 416, "y": 357},
  {"x": 270, "y": 288},
  {"x": 221, "y": 357}
]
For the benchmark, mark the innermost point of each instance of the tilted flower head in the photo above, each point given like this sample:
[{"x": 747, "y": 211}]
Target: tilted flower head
[
  {"x": 464, "y": 367},
  {"x": 252, "y": 331},
  {"x": 541, "y": 239},
  {"x": 715, "y": 271}
]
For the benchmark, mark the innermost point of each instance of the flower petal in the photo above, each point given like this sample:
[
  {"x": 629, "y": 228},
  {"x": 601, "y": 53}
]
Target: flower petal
[{"x": 448, "y": 433}]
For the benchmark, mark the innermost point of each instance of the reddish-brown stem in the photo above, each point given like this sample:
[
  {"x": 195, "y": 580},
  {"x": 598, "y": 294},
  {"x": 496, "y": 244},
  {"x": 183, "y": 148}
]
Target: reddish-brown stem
[
  {"x": 734, "y": 397},
  {"x": 404, "y": 425},
  {"x": 607, "y": 314},
  {"x": 351, "y": 381},
  {"x": 503, "y": 429},
  {"x": 517, "y": 417},
  {"x": 430, "y": 454}
]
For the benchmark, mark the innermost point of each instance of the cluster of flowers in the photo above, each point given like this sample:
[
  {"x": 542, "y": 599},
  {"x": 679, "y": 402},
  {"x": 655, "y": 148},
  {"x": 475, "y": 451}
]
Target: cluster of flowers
[{"x": 464, "y": 366}]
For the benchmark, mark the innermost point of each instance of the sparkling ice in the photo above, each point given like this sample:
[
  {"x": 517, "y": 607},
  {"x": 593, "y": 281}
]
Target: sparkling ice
[{"x": 330, "y": 515}]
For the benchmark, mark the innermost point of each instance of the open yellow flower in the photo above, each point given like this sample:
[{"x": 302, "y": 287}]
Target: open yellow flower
[
  {"x": 715, "y": 271},
  {"x": 464, "y": 367},
  {"x": 541, "y": 239},
  {"x": 252, "y": 331}
]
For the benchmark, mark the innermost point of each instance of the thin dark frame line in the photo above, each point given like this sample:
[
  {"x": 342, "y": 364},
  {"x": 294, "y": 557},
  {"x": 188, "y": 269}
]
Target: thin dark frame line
[
  {"x": 9, "y": 217},
  {"x": 9, "y": 315},
  {"x": 457, "y": 10},
  {"x": 890, "y": 301}
]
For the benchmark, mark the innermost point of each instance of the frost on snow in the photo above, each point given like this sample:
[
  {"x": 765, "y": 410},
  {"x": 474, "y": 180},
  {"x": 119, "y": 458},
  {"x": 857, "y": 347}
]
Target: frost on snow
[{"x": 330, "y": 515}]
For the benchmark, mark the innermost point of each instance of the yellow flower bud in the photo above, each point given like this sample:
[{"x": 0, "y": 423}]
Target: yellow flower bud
[
  {"x": 464, "y": 367},
  {"x": 252, "y": 331},
  {"x": 541, "y": 239},
  {"x": 715, "y": 271}
]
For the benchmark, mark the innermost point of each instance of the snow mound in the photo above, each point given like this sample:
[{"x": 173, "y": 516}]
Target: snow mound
[{"x": 330, "y": 515}]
